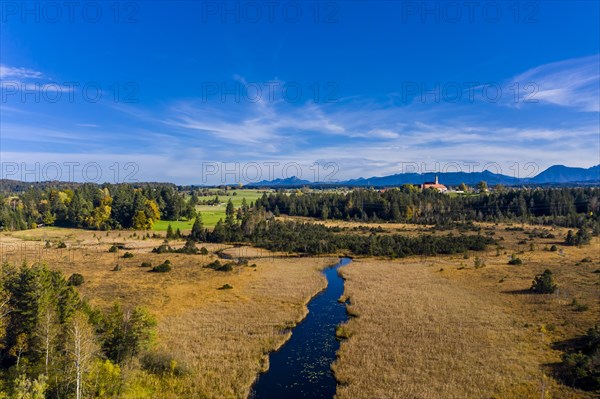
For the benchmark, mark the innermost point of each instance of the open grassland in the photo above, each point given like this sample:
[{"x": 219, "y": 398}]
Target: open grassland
[
  {"x": 441, "y": 328},
  {"x": 421, "y": 327},
  {"x": 219, "y": 338}
]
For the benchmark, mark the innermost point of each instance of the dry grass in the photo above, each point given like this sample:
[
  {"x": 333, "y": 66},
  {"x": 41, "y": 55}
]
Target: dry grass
[
  {"x": 461, "y": 332},
  {"x": 421, "y": 332},
  {"x": 222, "y": 337}
]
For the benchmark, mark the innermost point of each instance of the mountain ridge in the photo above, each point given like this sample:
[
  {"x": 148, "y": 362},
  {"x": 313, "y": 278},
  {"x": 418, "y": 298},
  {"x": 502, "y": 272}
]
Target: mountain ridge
[{"x": 555, "y": 174}]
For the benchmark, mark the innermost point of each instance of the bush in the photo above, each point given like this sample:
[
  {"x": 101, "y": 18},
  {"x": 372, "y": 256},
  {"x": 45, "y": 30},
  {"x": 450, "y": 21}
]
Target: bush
[
  {"x": 478, "y": 263},
  {"x": 586, "y": 260},
  {"x": 161, "y": 364},
  {"x": 61, "y": 245},
  {"x": 515, "y": 261},
  {"x": 578, "y": 306},
  {"x": 203, "y": 251},
  {"x": 553, "y": 248},
  {"x": 342, "y": 332},
  {"x": 543, "y": 283},
  {"x": 581, "y": 367},
  {"x": 221, "y": 267},
  {"x": 162, "y": 268},
  {"x": 189, "y": 248},
  {"x": 117, "y": 268},
  {"x": 146, "y": 264},
  {"x": 127, "y": 255},
  {"x": 76, "y": 279},
  {"x": 225, "y": 287},
  {"x": 582, "y": 237},
  {"x": 163, "y": 248},
  {"x": 116, "y": 247}
]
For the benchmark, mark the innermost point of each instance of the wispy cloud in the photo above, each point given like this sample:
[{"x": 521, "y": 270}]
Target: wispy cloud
[
  {"x": 16, "y": 79},
  {"x": 19, "y": 73},
  {"x": 572, "y": 83},
  {"x": 362, "y": 137}
]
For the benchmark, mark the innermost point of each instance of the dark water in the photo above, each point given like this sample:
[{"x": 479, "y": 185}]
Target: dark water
[{"x": 301, "y": 368}]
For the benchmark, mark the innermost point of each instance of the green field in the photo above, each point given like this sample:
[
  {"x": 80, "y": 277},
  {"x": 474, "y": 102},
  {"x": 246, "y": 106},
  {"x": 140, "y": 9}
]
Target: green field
[
  {"x": 182, "y": 225},
  {"x": 211, "y": 214}
]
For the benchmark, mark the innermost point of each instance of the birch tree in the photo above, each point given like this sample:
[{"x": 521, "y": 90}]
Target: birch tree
[{"x": 81, "y": 350}]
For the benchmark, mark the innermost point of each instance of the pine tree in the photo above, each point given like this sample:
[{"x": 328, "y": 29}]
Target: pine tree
[
  {"x": 230, "y": 214},
  {"x": 197, "y": 233},
  {"x": 170, "y": 234},
  {"x": 325, "y": 212}
]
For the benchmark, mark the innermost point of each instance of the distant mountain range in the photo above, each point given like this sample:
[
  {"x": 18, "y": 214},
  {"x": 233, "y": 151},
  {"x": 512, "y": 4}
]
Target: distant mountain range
[{"x": 557, "y": 174}]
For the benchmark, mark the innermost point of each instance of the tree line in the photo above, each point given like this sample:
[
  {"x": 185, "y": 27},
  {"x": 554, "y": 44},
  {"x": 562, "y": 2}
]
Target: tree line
[
  {"x": 109, "y": 206},
  {"x": 568, "y": 207},
  {"x": 260, "y": 228}
]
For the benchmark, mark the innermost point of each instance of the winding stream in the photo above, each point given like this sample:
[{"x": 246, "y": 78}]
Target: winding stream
[{"x": 301, "y": 368}]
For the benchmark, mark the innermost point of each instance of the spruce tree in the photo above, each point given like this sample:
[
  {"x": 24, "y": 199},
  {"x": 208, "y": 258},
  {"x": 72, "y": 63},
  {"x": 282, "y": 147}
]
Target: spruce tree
[
  {"x": 170, "y": 234},
  {"x": 197, "y": 233}
]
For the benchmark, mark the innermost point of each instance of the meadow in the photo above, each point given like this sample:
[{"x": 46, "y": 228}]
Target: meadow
[
  {"x": 221, "y": 338},
  {"x": 211, "y": 214},
  {"x": 441, "y": 327},
  {"x": 452, "y": 326}
]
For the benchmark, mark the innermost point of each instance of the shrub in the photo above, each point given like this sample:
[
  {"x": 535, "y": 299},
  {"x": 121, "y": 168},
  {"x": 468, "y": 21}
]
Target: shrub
[
  {"x": 188, "y": 248},
  {"x": 61, "y": 245},
  {"x": 543, "y": 283},
  {"x": 221, "y": 267},
  {"x": 161, "y": 364},
  {"x": 515, "y": 260},
  {"x": 76, "y": 279},
  {"x": 586, "y": 260},
  {"x": 581, "y": 367},
  {"x": 478, "y": 263},
  {"x": 581, "y": 307},
  {"x": 203, "y": 251},
  {"x": 127, "y": 255},
  {"x": 342, "y": 332},
  {"x": 580, "y": 238},
  {"x": 146, "y": 264},
  {"x": 225, "y": 287},
  {"x": 162, "y": 268},
  {"x": 553, "y": 248},
  {"x": 117, "y": 268},
  {"x": 578, "y": 306},
  {"x": 163, "y": 248},
  {"x": 113, "y": 248}
]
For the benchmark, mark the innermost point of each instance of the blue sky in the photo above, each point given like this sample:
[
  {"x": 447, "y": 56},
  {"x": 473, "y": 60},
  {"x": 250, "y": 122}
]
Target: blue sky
[{"x": 206, "y": 92}]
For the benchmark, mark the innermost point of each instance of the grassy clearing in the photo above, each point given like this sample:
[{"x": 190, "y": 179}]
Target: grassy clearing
[
  {"x": 182, "y": 225},
  {"x": 212, "y": 214}
]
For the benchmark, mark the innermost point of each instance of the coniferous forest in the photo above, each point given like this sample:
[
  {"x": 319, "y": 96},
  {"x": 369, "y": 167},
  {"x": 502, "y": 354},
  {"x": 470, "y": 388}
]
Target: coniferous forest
[{"x": 139, "y": 206}]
